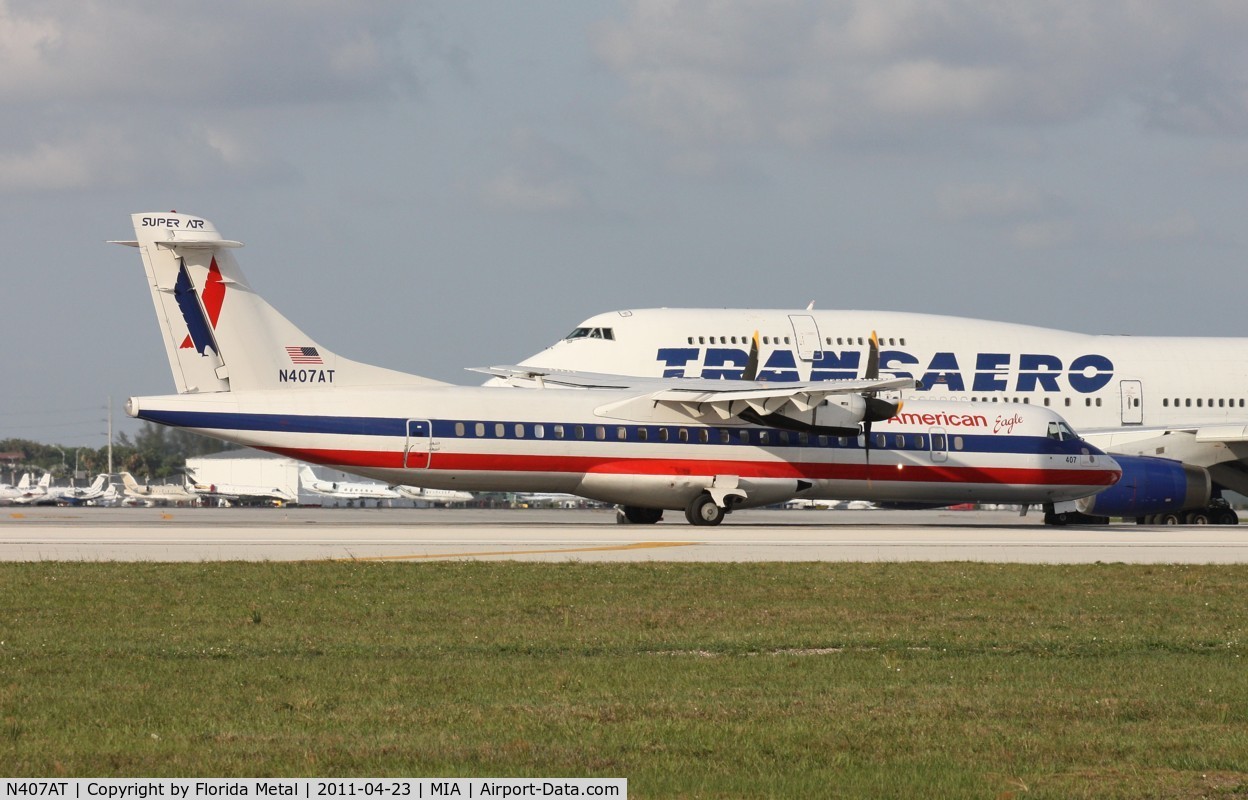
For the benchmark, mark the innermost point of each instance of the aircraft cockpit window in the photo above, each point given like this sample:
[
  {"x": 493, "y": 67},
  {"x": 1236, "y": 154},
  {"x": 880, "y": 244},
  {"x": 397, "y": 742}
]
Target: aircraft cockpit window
[
  {"x": 1061, "y": 432},
  {"x": 593, "y": 333}
]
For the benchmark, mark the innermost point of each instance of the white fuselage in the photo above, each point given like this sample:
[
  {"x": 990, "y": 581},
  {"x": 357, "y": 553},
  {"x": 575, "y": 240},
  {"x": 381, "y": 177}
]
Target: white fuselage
[
  {"x": 1178, "y": 397},
  {"x": 605, "y": 445}
]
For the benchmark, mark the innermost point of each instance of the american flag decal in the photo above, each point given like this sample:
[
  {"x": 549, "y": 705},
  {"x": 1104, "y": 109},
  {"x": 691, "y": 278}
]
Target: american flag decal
[{"x": 304, "y": 355}]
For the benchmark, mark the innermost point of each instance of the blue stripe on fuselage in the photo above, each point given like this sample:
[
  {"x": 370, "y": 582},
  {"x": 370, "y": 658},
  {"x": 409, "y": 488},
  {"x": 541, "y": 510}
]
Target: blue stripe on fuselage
[{"x": 446, "y": 429}]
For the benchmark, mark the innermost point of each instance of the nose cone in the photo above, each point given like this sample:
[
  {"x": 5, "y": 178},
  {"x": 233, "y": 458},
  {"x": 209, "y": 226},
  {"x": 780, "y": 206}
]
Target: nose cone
[
  {"x": 1105, "y": 471},
  {"x": 1112, "y": 469}
]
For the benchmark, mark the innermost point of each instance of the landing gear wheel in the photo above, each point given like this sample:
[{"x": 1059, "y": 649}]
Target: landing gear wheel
[
  {"x": 1196, "y": 518},
  {"x": 642, "y": 516},
  {"x": 1225, "y": 516},
  {"x": 702, "y": 510},
  {"x": 1169, "y": 519}
]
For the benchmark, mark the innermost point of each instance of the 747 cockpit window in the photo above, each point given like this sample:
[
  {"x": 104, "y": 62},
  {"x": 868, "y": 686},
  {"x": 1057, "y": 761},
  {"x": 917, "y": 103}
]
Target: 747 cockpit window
[
  {"x": 1061, "y": 432},
  {"x": 591, "y": 333}
]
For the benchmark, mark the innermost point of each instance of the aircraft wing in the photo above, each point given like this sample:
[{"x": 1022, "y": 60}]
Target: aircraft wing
[
  {"x": 752, "y": 401},
  {"x": 598, "y": 380},
  {"x": 1222, "y": 433}
]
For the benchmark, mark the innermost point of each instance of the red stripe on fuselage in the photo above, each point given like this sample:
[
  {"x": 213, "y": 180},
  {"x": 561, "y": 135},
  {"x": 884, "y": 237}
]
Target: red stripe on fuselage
[{"x": 916, "y": 473}]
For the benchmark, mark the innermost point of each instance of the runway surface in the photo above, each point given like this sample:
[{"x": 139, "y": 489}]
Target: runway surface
[{"x": 223, "y": 534}]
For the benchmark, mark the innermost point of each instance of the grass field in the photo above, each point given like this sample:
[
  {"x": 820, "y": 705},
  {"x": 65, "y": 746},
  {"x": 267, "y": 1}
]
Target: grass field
[{"x": 703, "y": 680}]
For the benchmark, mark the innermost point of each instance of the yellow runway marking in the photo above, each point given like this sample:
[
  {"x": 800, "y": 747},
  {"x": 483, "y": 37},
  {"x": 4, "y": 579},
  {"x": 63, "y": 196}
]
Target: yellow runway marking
[{"x": 634, "y": 546}]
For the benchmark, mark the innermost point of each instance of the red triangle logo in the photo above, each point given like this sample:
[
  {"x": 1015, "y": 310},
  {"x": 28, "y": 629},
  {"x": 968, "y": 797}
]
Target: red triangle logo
[{"x": 186, "y": 343}]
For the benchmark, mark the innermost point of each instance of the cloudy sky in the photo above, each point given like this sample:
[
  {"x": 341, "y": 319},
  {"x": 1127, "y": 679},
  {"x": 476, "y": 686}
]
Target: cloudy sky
[{"x": 437, "y": 185}]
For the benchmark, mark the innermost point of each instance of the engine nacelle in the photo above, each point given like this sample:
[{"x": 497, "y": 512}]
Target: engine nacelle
[
  {"x": 1151, "y": 486},
  {"x": 835, "y": 416},
  {"x": 838, "y": 411}
]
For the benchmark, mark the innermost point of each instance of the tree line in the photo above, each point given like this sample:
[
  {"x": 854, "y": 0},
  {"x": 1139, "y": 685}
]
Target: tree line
[{"x": 154, "y": 452}]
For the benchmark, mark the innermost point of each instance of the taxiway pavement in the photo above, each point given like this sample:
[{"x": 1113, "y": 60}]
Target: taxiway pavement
[{"x": 226, "y": 534}]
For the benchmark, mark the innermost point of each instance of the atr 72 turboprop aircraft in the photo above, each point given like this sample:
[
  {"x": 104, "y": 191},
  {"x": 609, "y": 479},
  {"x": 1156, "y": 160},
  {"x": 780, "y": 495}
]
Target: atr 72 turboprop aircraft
[
  {"x": 1170, "y": 410},
  {"x": 246, "y": 374}
]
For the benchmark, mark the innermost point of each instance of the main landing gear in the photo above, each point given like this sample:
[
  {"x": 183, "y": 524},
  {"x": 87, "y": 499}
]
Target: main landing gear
[
  {"x": 702, "y": 510},
  {"x": 1198, "y": 516},
  {"x": 633, "y": 515}
]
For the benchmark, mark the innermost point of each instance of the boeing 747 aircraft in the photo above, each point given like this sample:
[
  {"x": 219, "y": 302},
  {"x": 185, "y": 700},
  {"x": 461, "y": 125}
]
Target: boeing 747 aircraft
[
  {"x": 246, "y": 374},
  {"x": 1171, "y": 410}
]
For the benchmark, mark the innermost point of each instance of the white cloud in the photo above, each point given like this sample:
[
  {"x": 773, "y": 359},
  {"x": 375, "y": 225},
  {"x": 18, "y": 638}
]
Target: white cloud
[
  {"x": 542, "y": 177},
  {"x": 1043, "y": 235},
  {"x": 111, "y": 155},
  {"x": 191, "y": 54},
  {"x": 982, "y": 201},
  {"x": 800, "y": 72},
  {"x": 1181, "y": 226},
  {"x": 113, "y": 93},
  {"x": 515, "y": 190}
]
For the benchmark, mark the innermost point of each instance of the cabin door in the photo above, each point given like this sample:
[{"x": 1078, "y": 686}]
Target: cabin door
[
  {"x": 940, "y": 444},
  {"x": 806, "y": 334},
  {"x": 419, "y": 444},
  {"x": 1132, "y": 402}
]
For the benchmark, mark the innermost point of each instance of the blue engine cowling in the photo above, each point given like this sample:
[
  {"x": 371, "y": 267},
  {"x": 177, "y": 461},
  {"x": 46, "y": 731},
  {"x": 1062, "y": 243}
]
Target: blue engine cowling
[{"x": 1151, "y": 486}]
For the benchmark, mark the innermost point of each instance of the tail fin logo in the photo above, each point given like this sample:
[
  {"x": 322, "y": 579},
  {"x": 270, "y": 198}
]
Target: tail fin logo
[
  {"x": 214, "y": 293},
  {"x": 199, "y": 332}
]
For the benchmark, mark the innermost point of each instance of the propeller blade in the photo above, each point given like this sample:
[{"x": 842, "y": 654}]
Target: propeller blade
[
  {"x": 879, "y": 410},
  {"x": 866, "y": 448},
  {"x": 750, "y": 373},
  {"x": 873, "y": 360}
]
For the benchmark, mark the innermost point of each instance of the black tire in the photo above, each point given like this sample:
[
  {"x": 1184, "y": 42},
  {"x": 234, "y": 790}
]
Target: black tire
[
  {"x": 1169, "y": 518},
  {"x": 1225, "y": 516},
  {"x": 642, "y": 516},
  {"x": 702, "y": 510},
  {"x": 1199, "y": 517}
]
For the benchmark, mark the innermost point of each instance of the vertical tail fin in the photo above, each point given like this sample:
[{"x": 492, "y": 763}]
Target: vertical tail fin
[
  {"x": 219, "y": 334},
  {"x": 24, "y": 483}
]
